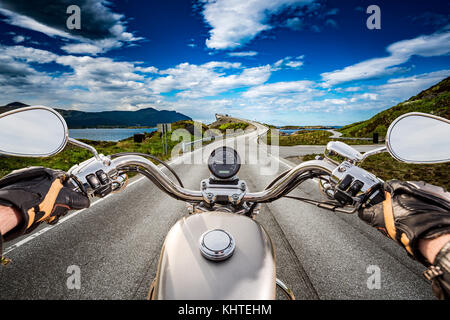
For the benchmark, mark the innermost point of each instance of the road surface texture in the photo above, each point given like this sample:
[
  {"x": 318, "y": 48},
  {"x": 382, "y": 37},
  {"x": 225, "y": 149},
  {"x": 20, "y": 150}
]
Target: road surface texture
[{"x": 116, "y": 244}]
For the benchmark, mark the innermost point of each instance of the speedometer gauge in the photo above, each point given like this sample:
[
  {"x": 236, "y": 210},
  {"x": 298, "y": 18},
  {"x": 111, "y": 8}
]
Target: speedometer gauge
[{"x": 224, "y": 162}]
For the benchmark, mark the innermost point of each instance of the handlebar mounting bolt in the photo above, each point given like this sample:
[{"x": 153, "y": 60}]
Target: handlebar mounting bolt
[
  {"x": 210, "y": 195},
  {"x": 243, "y": 186}
]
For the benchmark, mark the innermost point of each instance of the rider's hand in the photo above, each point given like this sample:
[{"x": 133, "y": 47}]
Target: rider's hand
[
  {"x": 39, "y": 194},
  {"x": 410, "y": 212},
  {"x": 414, "y": 214}
]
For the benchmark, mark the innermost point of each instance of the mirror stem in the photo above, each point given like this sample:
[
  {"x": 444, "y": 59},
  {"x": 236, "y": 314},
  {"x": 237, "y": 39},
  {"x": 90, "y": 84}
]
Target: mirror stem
[
  {"x": 372, "y": 152},
  {"x": 85, "y": 146}
]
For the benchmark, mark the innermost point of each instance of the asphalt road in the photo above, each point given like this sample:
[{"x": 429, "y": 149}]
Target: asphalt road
[{"x": 116, "y": 244}]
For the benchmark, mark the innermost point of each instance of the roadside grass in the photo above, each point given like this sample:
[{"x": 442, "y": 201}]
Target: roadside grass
[
  {"x": 308, "y": 137},
  {"x": 233, "y": 126},
  {"x": 385, "y": 167}
]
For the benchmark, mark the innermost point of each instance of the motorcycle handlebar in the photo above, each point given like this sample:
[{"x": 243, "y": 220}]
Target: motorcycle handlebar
[{"x": 274, "y": 192}]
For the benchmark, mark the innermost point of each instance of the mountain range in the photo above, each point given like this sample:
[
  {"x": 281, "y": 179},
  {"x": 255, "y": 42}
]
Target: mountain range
[{"x": 148, "y": 117}]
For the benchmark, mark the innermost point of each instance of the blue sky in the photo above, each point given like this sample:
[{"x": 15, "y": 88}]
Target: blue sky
[{"x": 301, "y": 62}]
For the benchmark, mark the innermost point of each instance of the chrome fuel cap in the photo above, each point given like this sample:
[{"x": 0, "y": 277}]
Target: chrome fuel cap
[{"x": 217, "y": 245}]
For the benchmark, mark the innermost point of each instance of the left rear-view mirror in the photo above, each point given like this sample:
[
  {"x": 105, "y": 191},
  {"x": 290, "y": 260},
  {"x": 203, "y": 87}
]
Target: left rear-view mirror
[{"x": 35, "y": 131}]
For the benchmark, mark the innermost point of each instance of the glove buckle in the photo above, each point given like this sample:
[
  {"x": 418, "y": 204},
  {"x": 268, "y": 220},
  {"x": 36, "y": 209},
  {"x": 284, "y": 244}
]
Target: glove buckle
[{"x": 433, "y": 272}]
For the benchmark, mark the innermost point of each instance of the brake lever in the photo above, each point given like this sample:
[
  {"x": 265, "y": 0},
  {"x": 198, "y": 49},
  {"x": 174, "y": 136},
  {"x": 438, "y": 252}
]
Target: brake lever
[{"x": 326, "y": 205}]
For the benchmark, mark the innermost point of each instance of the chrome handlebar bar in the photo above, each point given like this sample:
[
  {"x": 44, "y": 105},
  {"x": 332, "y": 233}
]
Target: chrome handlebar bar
[
  {"x": 185, "y": 194},
  {"x": 281, "y": 185},
  {"x": 168, "y": 185}
]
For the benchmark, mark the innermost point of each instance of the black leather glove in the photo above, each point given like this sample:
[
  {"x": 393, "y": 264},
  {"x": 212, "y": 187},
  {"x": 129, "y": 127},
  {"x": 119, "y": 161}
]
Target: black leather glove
[
  {"x": 412, "y": 211},
  {"x": 40, "y": 194}
]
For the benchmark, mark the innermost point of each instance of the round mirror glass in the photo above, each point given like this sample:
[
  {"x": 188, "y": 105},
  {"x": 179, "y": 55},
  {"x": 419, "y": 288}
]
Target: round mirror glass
[
  {"x": 32, "y": 132},
  {"x": 419, "y": 138}
]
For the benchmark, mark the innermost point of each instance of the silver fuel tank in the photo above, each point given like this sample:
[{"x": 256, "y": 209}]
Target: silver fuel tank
[{"x": 184, "y": 273}]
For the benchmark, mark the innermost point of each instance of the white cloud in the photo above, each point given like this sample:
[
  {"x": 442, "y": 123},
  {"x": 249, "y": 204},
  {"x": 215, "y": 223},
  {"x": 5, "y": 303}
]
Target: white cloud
[
  {"x": 278, "y": 88},
  {"x": 243, "y": 54},
  {"x": 78, "y": 48},
  {"x": 236, "y": 22},
  {"x": 147, "y": 69},
  {"x": 19, "y": 39},
  {"x": 400, "y": 52},
  {"x": 352, "y": 89},
  {"x": 335, "y": 101},
  {"x": 364, "y": 96},
  {"x": 288, "y": 62},
  {"x": 404, "y": 87},
  {"x": 28, "y": 54},
  {"x": 208, "y": 79}
]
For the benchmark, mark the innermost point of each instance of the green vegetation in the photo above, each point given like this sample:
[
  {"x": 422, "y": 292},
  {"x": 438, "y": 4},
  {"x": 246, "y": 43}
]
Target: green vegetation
[
  {"x": 435, "y": 100},
  {"x": 233, "y": 126},
  {"x": 386, "y": 168},
  {"x": 307, "y": 137}
]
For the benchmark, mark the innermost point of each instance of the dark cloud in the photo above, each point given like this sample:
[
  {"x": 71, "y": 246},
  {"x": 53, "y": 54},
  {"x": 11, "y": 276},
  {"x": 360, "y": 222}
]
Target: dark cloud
[
  {"x": 14, "y": 73},
  {"x": 97, "y": 20}
]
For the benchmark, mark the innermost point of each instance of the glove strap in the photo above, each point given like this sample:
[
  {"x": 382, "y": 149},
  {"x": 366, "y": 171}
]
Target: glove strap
[{"x": 389, "y": 216}]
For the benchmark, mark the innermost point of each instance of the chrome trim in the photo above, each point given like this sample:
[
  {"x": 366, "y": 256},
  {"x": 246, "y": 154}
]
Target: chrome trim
[
  {"x": 66, "y": 131},
  {"x": 283, "y": 183},
  {"x": 85, "y": 146},
  {"x": 170, "y": 187},
  {"x": 344, "y": 150},
  {"x": 214, "y": 248},
  {"x": 285, "y": 289},
  {"x": 388, "y": 146},
  {"x": 373, "y": 152}
]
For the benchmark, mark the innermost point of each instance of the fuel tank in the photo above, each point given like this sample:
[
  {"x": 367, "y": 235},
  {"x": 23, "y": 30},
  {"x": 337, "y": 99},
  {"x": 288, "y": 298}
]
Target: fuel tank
[{"x": 184, "y": 273}]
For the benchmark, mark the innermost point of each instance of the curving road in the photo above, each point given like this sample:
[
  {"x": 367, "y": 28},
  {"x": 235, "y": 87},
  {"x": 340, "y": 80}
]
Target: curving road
[{"x": 116, "y": 244}]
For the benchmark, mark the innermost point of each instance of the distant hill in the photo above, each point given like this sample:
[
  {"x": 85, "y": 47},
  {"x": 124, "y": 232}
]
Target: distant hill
[
  {"x": 434, "y": 100},
  {"x": 148, "y": 117}
]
